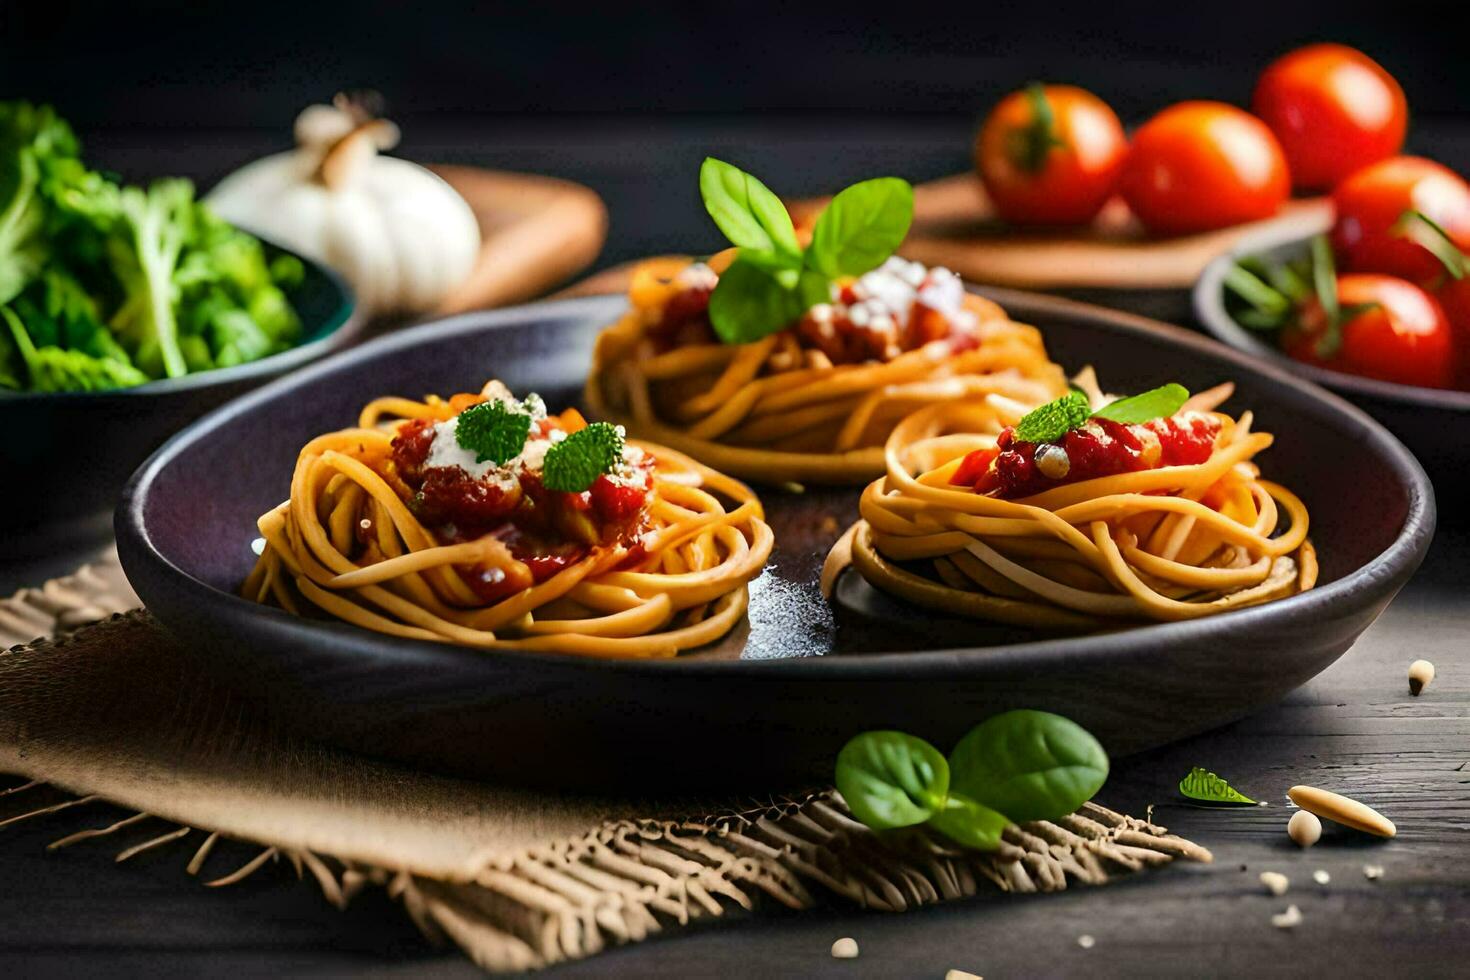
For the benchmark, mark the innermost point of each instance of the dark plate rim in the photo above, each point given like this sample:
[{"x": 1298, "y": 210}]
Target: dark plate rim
[
  {"x": 1209, "y": 307},
  {"x": 1374, "y": 581},
  {"x": 335, "y": 332}
]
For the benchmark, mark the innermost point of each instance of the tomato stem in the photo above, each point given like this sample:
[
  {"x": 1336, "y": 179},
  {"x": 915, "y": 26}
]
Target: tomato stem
[
  {"x": 1324, "y": 281},
  {"x": 1028, "y": 146},
  {"x": 1426, "y": 232}
]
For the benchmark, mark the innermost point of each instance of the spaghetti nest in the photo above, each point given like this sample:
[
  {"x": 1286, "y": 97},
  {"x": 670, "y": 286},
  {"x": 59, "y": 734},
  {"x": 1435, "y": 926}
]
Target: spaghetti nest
[
  {"x": 778, "y": 410},
  {"x": 1171, "y": 543},
  {"x": 348, "y": 542}
]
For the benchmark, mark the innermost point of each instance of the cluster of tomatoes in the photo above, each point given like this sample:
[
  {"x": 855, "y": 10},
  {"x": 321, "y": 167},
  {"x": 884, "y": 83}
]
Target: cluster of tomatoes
[
  {"x": 1400, "y": 313},
  {"x": 1324, "y": 118}
]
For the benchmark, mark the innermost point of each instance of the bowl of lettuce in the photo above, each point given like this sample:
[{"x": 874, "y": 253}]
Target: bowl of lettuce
[{"x": 126, "y": 312}]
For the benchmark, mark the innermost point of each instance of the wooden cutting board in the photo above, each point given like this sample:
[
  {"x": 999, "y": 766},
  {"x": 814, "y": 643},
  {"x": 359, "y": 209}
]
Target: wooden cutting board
[
  {"x": 955, "y": 226},
  {"x": 536, "y": 233}
]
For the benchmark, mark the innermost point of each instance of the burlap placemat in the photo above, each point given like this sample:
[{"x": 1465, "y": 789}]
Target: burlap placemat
[{"x": 101, "y": 702}]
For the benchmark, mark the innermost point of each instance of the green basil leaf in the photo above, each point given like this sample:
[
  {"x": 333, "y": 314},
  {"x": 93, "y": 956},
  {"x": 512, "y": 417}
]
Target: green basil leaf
[
  {"x": 969, "y": 823},
  {"x": 890, "y": 779},
  {"x": 751, "y": 302},
  {"x": 1053, "y": 420},
  {"x": 746, "y": 211},
  {"x": 1201, "y": 784},
  {"x": 812, "y": 288},
  {"x": 777, "y": 264},
  {"x": 1029, "y": 765},
  {"x": 1160, "y": 403},
  {"x": 862, "y": 227}
]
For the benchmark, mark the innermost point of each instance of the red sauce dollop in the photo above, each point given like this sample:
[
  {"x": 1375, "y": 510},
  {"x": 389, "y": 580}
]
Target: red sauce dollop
[
  {"x": 1100, "y": 448},
  {"x": 546, "y": 530}
]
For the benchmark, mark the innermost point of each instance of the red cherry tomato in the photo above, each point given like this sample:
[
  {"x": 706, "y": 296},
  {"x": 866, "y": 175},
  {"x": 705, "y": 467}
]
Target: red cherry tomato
[
  {"x": 1403, "y": 336},
  {"x": 1334, "y": 109},
  {"x": 1050, "y": 155},
  {"x": 1371, "y": 202},
  {"x": 1454, "y": 297},
  {"x": 1197, "y": 166}
]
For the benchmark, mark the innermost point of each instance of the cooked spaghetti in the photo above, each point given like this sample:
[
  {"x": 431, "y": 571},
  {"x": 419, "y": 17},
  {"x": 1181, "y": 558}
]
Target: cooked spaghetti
[
  {"x": 405, "y": 526},
  {"x": 1165, "y": 520},
  {"x": 815, "y": 401}
]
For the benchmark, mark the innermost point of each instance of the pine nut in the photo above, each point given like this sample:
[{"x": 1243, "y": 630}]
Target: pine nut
[
  {"x": 1321, "y": 877},
  {"x": 1421, "y": 672},
  {"x": 1304, "y": 828},
  {"x": 1341, "y": 809},
  {"x": 1052, "y": 461},
  {"x": 1276, "y": 883},
  {"x": 962, "y": 975},
  {"x": 1086, "y": 941},
  {"x": 845, "y": 948},
  {"x": 1372, "y": 871}
]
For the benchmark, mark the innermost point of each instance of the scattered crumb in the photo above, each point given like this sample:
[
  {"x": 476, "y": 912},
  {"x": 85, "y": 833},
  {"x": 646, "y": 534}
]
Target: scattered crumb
[
  {"x": 962, "y": 975},
  {"x": 1276, "y": 883},
  {"x": 1289, "y": 919},
  {"x": 845, "y": 948},
  {"x": 1372, "y": 871},
  {"x": 258, "y": 546},
  {"x": 1321, "y": 877},
  {"x": 1086, "y": 941},
  {"x": 829, "y": 524},
  {"x": 791, "y": 486}
]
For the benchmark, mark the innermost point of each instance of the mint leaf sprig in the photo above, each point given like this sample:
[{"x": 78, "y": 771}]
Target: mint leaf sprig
[
  {"x": 1015, "y": 767},
  {"x": 575, "y": 463},
  {"x": 495, "y": 430},
  {"x": 774, "y": 280},
  {"x": 1051, "y": 421}
]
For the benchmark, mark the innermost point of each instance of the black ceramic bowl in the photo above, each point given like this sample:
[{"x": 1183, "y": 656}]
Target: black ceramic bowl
[
  {"x": 770, "y": 704},
  {"x": 67, "y": 455},
  {"x": 1431, "y": 422}
]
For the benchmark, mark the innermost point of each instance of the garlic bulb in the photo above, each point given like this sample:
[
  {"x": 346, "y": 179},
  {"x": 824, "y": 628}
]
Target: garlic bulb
[{"x": 401, "y": 236}]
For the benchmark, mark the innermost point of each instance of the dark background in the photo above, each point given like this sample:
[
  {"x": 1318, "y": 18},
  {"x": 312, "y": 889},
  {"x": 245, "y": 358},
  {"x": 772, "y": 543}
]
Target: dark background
[
  {"x": 628, "y": 98},
  {"x": 253, "y": 64}
]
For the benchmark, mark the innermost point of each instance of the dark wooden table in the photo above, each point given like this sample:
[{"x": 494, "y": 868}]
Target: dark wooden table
[{"x": 1354, "y": 728}]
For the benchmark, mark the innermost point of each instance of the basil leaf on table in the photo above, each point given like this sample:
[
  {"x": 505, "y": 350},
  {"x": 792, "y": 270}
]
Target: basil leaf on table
[
  {"x": 891, "y": 780},
  {"x": 1029, "y": 765},
  {"x": 970, "y": 824},
  {"x": 751, "y": 302},
  {"x": 1160, "y": 403},
  {"x": 747, "y": 211},
  {"x": 1205, "y": 786},
  {"x": 862, "y": 227}
]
